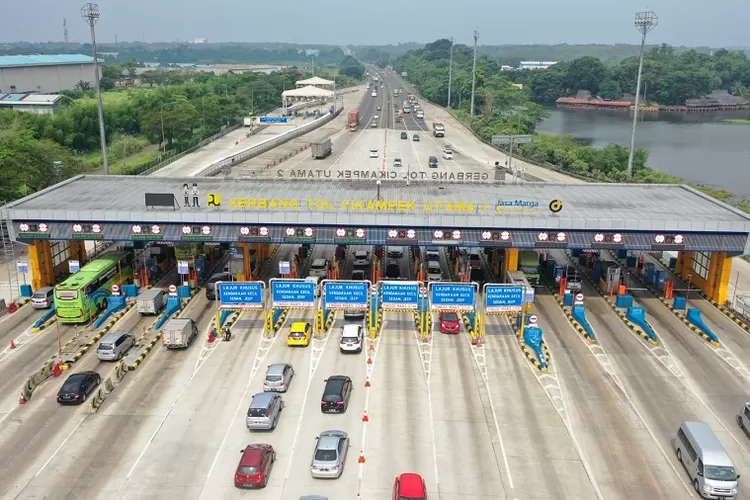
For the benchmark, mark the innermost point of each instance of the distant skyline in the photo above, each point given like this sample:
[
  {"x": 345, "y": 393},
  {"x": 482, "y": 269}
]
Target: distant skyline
[{"x": 722, "y": 23}]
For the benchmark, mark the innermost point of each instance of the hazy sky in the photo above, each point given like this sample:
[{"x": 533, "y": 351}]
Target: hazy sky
[{"x": 681, "y": 22}]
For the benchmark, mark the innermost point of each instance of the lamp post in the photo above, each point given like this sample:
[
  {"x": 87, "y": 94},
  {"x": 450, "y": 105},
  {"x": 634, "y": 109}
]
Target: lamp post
[
  {"x": 90, "y": 14},
  {"x": 450, "y": 73},
  {"x": 161, "y": 115},
  {"x": 378, "y": 184},
  {"x": 644, "y": 22},
  {"x": 474, "y": 72}
]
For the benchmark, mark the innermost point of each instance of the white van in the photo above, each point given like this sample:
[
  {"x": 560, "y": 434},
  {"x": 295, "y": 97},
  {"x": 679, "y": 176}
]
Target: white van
[{"x": 710, "y": 469}]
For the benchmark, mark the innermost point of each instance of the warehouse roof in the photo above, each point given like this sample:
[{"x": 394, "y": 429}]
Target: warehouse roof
[
  {"x": 32, "y": 99},
  {"x": 45, "y": 60}
]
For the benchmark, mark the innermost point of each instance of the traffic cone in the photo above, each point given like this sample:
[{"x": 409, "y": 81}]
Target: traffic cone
[
  {"x": 211, "y": 338},
  {"x": 425, "y": 339},
  {"x": 22, "y": 400},
  {"x": 12, "y": 344},
  {"x": 365, "y": 418},
  {"x": 361, "y": 457},
  {"x": 367, "y": 383},
  {"x": 369, "y": 360}
]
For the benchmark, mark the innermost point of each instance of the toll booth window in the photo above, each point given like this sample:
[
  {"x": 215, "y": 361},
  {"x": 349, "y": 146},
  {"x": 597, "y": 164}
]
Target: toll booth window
[{"x": 701, "y": 261}]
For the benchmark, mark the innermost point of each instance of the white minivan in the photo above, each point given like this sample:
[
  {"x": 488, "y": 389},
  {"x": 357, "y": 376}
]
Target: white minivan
[{"x": 710, "y": 469}]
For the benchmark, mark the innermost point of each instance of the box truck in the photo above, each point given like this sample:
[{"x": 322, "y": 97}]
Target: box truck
[
  {"x": 178, "y": 333},
  {"x": 150, "y": 301}
]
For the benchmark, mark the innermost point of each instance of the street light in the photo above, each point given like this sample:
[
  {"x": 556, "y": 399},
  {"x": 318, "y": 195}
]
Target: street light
[
  {"x": 90, "y": 14},
  {"x": 378, "y": 184},
  {"x": 644, "y": 22},
  {"x": 161, "y": 115},
  {"x": 450, "y": 73},
  {"x": 474, "y": 72}
]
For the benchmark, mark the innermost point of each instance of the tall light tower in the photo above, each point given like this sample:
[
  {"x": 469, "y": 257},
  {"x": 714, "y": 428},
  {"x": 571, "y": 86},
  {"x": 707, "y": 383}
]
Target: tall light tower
[
  {"x": 90, "y": 14},
  {"x": 644, "y": 22},
  {"x": 474, "y": 72},
  {"x": 450, "y": 73}
]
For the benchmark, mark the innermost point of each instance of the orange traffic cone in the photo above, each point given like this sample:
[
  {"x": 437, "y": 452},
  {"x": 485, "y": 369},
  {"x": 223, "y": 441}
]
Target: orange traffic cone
[
  {"x": 22, "y": 400},
  {"x": 367, "y": 383},
  {"x": 369, "y": 360},
  {"x": 365, "y": 418},
  {"x": 12, "y": 344},
  {"x": 361, "y": 457}
]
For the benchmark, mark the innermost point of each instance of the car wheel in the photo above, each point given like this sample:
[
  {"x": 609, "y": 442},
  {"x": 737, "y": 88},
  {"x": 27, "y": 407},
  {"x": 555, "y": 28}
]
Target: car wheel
[
  {"x": 697, "y": 487},
  {"x": 84, "y": 398},
  {"x": 679, "y": 455},
  {"x": 739, "y": 422}
]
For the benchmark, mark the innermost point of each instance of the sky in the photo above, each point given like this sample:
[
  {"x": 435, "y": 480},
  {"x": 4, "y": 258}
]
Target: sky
[{"x": 720, "y": 23}]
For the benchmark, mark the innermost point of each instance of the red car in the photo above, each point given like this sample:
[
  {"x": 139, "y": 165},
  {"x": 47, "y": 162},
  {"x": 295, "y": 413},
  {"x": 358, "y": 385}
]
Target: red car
[
  {"x": 409, "y": 486},
  {"x": 255, "y": 466},
  {"x": 450, "y": 323}
]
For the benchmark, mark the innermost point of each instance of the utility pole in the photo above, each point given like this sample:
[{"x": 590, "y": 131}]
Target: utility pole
[
  {"x": 474, "y": 72},
  {"x": 65, "y": 32},
  {"x": 644, "y": 22},
  {"x": 90, "y": 14},
  {"x": 450, "y": 73}
]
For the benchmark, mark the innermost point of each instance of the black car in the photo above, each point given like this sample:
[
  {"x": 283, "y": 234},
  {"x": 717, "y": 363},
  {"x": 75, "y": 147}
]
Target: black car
[
  {"x": 336, "y": 394},
  {"x": 404, "y": 135},
  {"x": 415, "y": 138},
  {"x": 211, "y": 283},
  {"x": 393, "y": 271},
  {"x": 78, "y": 388},
  {"x": 354, "y": 314}
]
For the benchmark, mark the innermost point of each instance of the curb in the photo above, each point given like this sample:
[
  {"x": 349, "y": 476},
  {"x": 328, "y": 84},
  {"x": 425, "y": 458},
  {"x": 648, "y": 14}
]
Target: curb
[
  {"x": 101, "y": 333},
  {"x": 146, "y": 351},
  {"x": 109, "y": 386},
  {"x": 527, "y": 352},
  {"x": 329, "y": 321},
  {"x": 573, "y": 322},
  {"x": 280, "y": 321},
  {"x": 44, "y": 325}
]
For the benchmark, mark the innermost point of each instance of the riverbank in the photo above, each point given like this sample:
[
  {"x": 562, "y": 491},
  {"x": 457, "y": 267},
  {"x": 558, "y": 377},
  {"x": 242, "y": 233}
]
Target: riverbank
[{"x": 738, "y": 121}]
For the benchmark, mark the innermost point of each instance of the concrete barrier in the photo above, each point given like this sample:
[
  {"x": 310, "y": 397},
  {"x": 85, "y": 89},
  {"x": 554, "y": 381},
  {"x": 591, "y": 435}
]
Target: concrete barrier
[
  {"x": 36, "y": 379},
  {"x": 108, "y": 386}
]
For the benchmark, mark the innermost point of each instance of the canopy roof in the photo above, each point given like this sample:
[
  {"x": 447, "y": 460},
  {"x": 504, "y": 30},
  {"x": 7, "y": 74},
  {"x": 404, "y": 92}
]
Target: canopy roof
[
  {"x": 308, "y": 91},
  {"x": 316, "y": 80}
]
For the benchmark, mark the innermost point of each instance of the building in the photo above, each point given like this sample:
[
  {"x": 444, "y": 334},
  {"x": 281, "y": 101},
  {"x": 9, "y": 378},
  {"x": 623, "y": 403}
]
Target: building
[
  {"x": 45, "y": 74},
  {"x": 536, "y": 64},
  {"x": 198, "y": 41},
  {"x": 40, "y": 104}
]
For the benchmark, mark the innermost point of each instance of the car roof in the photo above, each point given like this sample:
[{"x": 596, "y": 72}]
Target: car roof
[
  {"x": 261, "y": 399},
  {"x": 319, "y": 262},
  {"x": 79, "y": 375},
  {"x": 361, "y": 252},
  {"x": 299, "y": 325},
  {"x": 351, "y": 328},
  {"x": 328, "y": 441},
  {"x": 276, "y": 368},
  {"x": 112, "y": 336},
  {"x": 251, "y": 455},
  {"x": 336, "y": 382},
  {"x": 710, "y": 448},
  {"x": 433, "y": 264},
  {"x": 411, "y": 484}
]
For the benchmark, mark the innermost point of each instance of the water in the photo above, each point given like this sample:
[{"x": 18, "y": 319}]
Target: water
[{"x": 695, "y": 146}]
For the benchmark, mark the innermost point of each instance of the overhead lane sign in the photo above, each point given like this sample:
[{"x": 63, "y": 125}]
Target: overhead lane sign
[
  {"x": 345, "y": 294},
  {"x": 503, "y": 298},
  {"x": 240, "y": 294},
  {"x": 452, "y": 296},
  {"x": 292, "y": 293},
  {"x": 399, "y": 295}
]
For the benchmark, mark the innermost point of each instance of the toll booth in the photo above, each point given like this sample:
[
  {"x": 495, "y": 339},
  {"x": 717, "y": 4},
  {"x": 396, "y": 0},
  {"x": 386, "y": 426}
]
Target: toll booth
[
  {"x": 399, "y": 296},
  {"x": 459, "y": 298},
  {"x": 507, "y": 299},
  {"x": 289, "y": 294},
  {"x": 342, "y": 295}
]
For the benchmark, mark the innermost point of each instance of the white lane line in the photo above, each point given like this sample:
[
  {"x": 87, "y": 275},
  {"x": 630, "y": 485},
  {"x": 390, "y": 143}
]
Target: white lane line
[
  {"x": 171, "y": 407},
  {"x": 431, "y": 413},
  {"x": 65, "y": 441},
  {"x": 374, "y": 344},
  {"x": 264, "y": 347}
]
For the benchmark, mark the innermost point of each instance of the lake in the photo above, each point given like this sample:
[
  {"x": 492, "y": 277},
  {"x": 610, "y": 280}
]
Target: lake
[{"x": 699, "y": 147}]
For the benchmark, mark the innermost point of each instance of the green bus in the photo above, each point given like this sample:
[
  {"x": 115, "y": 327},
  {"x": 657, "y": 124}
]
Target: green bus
[{"x": 82, "y": 295}]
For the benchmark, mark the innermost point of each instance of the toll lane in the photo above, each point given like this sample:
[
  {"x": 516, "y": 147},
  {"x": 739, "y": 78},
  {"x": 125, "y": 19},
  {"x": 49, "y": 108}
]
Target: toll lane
[
  {"x": 532, "y": 431},
  {"x": 459, "y": 418},
  {"x": 400, "y": 431},
  {"x": 14, "y": 324},
  {"x": 596, "y": 407}
]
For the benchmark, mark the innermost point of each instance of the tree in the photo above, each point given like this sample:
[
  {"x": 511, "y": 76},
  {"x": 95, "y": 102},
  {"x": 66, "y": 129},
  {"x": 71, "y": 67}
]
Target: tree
[
  {"x": 175, "y": 120},
  {"x": 83, "y": 86},
  {"x": 584, "y": 73}
]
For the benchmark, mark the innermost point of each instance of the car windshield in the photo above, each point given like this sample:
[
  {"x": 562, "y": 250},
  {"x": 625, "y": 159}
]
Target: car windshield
[
  {"x": 39, "y": 295},
  {"x": 273, "y": 378},
  {"x": 296, "y": 335},
  {"x": 247, "y": 470},
  {"x": 105, "y": 347},
  {"x": 71, "y": 385},
  {"x": 450, "y": 317},
  {"x": 326, "y": 455},
  {"x": 718, "y": 473},
  {"x": 257, "y": 412},
  {"x": 331, "y": 398}
]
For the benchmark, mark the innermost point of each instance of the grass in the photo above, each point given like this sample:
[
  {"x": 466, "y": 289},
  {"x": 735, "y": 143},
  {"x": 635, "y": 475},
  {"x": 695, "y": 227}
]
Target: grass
[{"x": 738, "y": 121}]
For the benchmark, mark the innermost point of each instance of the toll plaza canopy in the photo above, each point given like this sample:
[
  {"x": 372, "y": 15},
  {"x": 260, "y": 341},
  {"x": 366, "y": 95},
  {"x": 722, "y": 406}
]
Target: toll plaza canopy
[{"x": 367, "y": 207}]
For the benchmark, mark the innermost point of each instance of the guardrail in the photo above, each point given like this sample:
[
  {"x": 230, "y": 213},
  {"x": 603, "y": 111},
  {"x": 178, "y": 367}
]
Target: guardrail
[{"x": 258, "y": 149}]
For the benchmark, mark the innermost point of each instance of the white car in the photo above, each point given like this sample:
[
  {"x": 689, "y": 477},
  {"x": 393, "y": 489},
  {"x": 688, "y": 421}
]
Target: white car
[
  {"x": 352, "y": 338},
  {"x": 374, "y": 94},
  {"x": 395, "y": 252},
  {"x": 434, "y": 273},
  {"x": 374, "y": 124},
  {"x": 376, "y": 117},
  {"x": 361, "y": 258},
  {"x": 432, "y": 254},
  {"x": 448, "y": 154},
  {"x": 373, "y": 153},
  {"x": 397, "y": 162},
  {"x": 319, "y": 268}
]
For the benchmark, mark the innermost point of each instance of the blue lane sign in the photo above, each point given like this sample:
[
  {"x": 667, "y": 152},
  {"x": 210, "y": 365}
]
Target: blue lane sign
[
  {"x": 345, "y": 294},
  {"x": 452, "y": 296},
  {"x": 503, "y": 298},
  {"x": 240, "y": 294},
  {"x": 403, "y": 295},
  {"x": 273, "y": 119},
  {"x": 292, "y": 293}
]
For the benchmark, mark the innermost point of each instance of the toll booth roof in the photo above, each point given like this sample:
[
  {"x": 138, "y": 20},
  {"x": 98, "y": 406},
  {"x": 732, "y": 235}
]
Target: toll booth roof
[{"x": 585, "y": 206}]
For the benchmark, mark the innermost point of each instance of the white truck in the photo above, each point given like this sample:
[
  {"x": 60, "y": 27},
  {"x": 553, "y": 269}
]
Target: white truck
[
  {"x": 150, "y": 301},
  {"x": 248, "y": 121},
  {"x": 178, "y": 333},
  {"x": 321, "y": 149},
  {"x": 438, "y": 129}
]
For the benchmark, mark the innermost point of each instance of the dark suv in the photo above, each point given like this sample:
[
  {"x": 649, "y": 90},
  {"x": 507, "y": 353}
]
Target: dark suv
[
  {"x": 211, "y": 283},
  {"x": 336, "y": 394},
  {"x": 404, "y": 135}
]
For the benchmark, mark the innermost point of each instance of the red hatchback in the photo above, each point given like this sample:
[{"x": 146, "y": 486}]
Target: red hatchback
[
  {"x": 255, "y": 466},
  {"x": 450, "y": 323},
  {"x": 409, "y": 486}
]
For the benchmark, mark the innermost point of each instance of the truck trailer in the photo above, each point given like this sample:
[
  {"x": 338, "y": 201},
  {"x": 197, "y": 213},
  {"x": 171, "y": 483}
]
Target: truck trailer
[
  {"x": 528, "y": 264},
  {"x": 353, "y": 120},
  {"x": 150, "y": 301},
  {"x": 438, "y": 129},
  {"x": 321, "y": 149},
  {"x": 178, "y": 333}
]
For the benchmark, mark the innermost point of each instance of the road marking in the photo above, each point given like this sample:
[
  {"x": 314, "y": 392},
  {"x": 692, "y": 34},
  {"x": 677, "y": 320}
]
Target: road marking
[
  {"x": 427, "y": 369},
  {"x": 264, "y": 347},
  {"x": 370, "y": 369},
  {"x": 65, "y": 441}
]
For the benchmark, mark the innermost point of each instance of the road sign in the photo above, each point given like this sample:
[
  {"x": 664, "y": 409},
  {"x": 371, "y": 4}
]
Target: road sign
[
  {"x": 579, "y": 298},
  {"x": 182, "y": 267},
  {"x": 292, "y": 293},
  {"x": 503, "y": 298},
  {"x": 74, "y": 266},
  {"x": 533, "y": 320},
  {"x": 285, "y": 267},
  {"x": 240, "y": 294},
  {"x": 273, "y": 119},
  {"x": 115, "y": 289},
  {"x": 172, "y": 290},
  {"x": 400, "y": 294},
  {"x": 23, "y": 267},
  {"x": 500, "y": 140},
  {"x": 452, "y": 296},
  {"x": 345, "y": 295}
]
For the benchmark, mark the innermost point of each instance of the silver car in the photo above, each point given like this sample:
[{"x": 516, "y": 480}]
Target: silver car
[
  {"x": 114, "y": 345},
  {"x": 278, "y": 377},
  {"x": 329, "y": 455}
]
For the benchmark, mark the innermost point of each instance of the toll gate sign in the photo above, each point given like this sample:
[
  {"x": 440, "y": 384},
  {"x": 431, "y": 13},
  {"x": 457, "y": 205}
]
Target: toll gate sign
[
  {"x": 292, "y": 293},
  {"x": 240, "y": 294},
  {"x": 345, "y": 294},
  {"x": 503, "y": 298},
  {"x": 452, "y": 296},
  {"x": 401, "y": 295}
]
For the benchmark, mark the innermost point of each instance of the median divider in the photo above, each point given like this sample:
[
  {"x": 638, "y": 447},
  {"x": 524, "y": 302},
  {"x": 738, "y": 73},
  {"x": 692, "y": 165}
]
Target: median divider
[
  {"x": 534, "y": 358},
  {"x": 108, "y": 385},
  {"x": 577, "y": 326},
  {"x": 101, "y": 333},
  {"x": 37, "y": 378},
  {"x": 280, "y": 320},
  {"x": 329, "y": 321}
]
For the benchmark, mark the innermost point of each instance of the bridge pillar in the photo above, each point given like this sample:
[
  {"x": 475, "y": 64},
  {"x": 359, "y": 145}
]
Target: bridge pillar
[
  {"x": 510, "y": 262},
  {"x": 40, "y": 264}
]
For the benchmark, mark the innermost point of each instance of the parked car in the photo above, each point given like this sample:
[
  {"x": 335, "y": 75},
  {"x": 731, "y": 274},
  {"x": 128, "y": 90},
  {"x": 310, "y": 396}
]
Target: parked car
[
  {"x": 114, "y": 345},
  {"x": 449, "y": 322},
  {"x": 329, "y": 455},
  {"x": 78, "y": 387},
  {"x": 409, "y": 486},
  {"x": 278, "y": 377},
  {"x": 255, "y": 466},
  {"x": 336, "y": 394}
]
